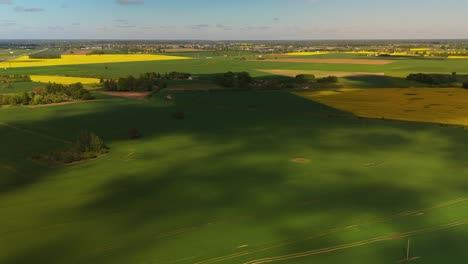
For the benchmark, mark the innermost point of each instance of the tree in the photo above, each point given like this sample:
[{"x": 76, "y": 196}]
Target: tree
[
  {"x": 25, "y": 99},
  {"x": 305, "y": 78},
  {"x": 90, "y": 142},
  {"x": 329, "y": 79}
]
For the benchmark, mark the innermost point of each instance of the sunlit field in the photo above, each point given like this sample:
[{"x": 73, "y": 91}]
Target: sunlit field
[
  {"x": 434, "y": 105},
  {"x": 25, "y": 61},
  {"x": 63, "y": 79},
  {"x": 340, "y": 175}
]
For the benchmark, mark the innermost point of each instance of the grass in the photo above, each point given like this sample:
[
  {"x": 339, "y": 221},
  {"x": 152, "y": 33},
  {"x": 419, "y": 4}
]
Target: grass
[
  {"x": 19, "y": 87},
  {"x": 400, "y": 68},
  {"x": 7, "y": 53},
  {"x": 221, "y": 182}
]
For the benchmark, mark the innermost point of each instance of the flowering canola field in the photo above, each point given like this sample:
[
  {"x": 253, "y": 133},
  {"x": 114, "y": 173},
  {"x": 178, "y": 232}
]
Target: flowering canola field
[
  {"x": 432, "y": 105},
  {"x": 63, "y": 79},
  {"x": 25, "y": 61}
]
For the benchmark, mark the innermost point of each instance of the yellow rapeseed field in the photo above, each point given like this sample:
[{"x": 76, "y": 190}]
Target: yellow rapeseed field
[
  {"x": 25, "y": 61},
  {"x": 434, "y": 105},
  {"x": 420, "y": 49},
  {"x": 63, "y": 79},
  {"x": 457, "y": 57},
  {"x": 308, "y": 53}
]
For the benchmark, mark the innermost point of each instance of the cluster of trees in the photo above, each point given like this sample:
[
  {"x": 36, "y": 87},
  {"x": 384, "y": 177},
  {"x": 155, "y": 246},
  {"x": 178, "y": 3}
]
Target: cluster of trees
[
  {"x": 433, "y": 79},
  {"x": 310, "y": 79},
  {"x": 234, "y": 79},
  {"x": 52, "y": 93},
  {"x": 146, "y": 82},
  {"x": 14, "y": 78},
  {"x": 47, "y": 54},
  {"x": 243, "y": 80},
  {"x": 87, "y": 146}
]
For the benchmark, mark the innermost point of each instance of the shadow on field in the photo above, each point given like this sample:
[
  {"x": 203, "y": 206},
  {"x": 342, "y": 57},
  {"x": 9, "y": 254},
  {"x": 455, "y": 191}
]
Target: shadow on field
[
  {"x": 223, "y": 177},
  {"x": 372, "y": 81}
]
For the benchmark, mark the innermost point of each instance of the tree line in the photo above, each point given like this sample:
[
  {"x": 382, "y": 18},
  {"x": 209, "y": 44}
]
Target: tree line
[
  {"x": 15, "y": 78},
  {"x": 47, "y": 54},
  {"x": 243, "y": 80},
  {"x": 440, "y": 79},
  {"x": 51, "y": 93},
  {"x": 146, "y": 82}
]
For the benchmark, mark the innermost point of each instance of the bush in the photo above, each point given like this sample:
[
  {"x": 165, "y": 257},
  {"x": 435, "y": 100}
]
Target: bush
[
  {"x": 329, "y": 79},
  {"x": 465, "y": 85},
  {"x": 133, "y": 133},
  {"x": 305, "y": 78},
  {"x": 89, "y": 142}
]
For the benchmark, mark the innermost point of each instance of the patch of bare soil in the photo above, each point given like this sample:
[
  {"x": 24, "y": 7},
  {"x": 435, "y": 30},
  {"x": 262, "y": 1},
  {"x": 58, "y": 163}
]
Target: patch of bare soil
[
  {"x": 67, "y": 103},
  {"x": 130, "y": 95}
]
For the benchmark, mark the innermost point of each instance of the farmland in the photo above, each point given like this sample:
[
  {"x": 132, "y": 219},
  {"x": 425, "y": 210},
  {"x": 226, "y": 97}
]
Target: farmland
[
  {"x": 63, "y": 79},
  {"x": 343, "y": 175},
  {"x": 25, "y": 61}
]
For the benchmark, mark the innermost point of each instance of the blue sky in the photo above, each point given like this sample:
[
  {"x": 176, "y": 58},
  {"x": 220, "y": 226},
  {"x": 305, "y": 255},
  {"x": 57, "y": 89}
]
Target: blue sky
[{"x": 233, "y": 19}]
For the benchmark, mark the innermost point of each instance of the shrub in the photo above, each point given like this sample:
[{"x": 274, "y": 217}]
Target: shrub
[
  {"x": 25, "y": 99},
  {"x": 133, "y": 133},
  {"x": 465, "y": 85},
  {"x": 329, "y": 79},
  {"x": 89, "y": 142},
  {"x": 305, "y": 78}
]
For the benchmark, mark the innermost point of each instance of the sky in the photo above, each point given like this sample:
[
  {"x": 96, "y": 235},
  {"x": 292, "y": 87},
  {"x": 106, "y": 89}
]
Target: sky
[{"x": 233, "y": 19}]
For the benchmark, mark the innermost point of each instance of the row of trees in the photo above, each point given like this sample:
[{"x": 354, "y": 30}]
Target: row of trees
[
  {"x": 146, "y": 82},
  {"x": 243, "y": 80},
  {"x": 15, "y": 78},
  {"x": 47, "y": 54},
  {"x": 234, "y": 79},
  {"x": 433, "y": 79},
  {"x": 51, "y": 93},
  {"x": 310, "y": 79},
  {"x": 87, "y": 146}
]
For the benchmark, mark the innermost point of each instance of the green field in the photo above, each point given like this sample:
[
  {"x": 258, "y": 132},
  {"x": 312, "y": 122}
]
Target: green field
[
  {"x": 18, "y": 87},
  {"x": 401, "y": 68},
  {"x": 7, "y": 53},
  {"x": 221, "y": 182},
  {"x": 246, "y": 177}
]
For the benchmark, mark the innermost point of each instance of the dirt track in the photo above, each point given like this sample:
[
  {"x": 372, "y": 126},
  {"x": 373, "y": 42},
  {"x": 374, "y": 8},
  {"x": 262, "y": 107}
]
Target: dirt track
[{"x": 130, "y": 95}]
